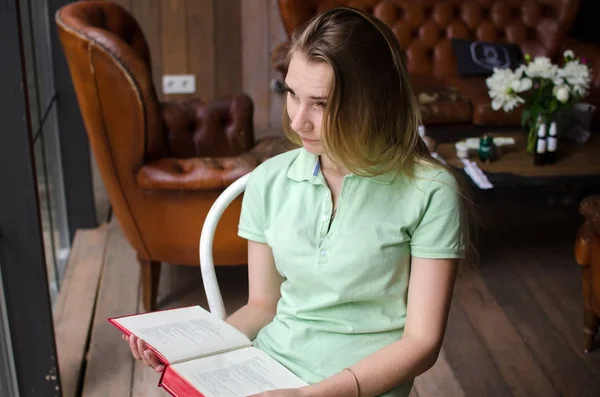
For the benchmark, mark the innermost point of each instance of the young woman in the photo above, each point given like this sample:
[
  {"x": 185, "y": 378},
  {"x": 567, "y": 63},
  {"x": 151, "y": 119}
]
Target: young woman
[{"x": 354, "y": 239}]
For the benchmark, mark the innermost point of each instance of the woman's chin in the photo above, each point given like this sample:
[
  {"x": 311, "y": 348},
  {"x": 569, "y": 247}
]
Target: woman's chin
[{"x": 313, "y": 147}]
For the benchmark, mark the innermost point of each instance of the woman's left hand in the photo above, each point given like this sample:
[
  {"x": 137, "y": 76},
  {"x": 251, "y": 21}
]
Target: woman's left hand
[{"x": 281, "y": 393}]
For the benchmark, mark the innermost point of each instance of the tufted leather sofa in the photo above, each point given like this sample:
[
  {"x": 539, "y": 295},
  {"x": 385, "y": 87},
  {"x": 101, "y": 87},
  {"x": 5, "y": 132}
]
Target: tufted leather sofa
[
  {"x": 424, "y": 29},
  {"x": 163, "y": 164},
  {"x": 587, "y": 254}
]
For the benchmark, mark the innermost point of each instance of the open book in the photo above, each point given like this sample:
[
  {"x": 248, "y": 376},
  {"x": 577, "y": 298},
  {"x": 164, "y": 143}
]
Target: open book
[{"x": 204, "y": 356}]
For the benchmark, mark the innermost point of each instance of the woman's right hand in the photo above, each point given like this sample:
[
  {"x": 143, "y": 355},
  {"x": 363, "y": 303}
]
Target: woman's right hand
[{"x": 140, "y": 351}]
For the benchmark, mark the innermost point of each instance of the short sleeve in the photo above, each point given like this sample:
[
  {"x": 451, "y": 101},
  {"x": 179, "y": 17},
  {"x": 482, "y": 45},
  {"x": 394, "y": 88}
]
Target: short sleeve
[
  {"x": 439, "y": 232},
  {"x": 251, "y": 224}
]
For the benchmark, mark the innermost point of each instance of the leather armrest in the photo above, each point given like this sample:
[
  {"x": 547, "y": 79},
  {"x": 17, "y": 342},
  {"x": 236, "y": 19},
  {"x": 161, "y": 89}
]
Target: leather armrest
[
  {"x": 217, "y": 128},
  {"x": 207, "y": 173},
  {"x": 588, "y": 51},
  {"x": 195, "y": 174}
]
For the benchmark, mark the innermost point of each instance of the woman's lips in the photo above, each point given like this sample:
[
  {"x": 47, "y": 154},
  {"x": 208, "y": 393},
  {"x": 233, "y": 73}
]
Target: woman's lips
[{"x": 312, "y": 141}]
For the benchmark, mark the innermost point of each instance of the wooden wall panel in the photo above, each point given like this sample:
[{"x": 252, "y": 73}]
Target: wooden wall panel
[
  {"x": 255, "y": 60},
  {"x": 174, "y": 51},
  {"x": 226, "y": 44},
  {"x": 200, "y": 40},
  {"x": 146, "y": 13}
]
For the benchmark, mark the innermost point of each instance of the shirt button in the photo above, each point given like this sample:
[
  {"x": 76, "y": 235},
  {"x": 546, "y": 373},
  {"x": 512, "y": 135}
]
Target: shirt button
[
  {"x": 323, "y": 252},
  {"x": 325, "y": 217}
]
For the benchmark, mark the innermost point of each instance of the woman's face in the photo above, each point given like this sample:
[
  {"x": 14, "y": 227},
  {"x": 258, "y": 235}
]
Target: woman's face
[{"x": 306, "y": 85}]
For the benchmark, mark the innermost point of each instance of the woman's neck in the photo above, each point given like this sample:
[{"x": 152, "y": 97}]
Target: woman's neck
[{"x": 328, "y": 164}]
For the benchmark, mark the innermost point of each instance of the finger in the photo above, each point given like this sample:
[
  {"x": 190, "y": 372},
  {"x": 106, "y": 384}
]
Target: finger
[
  {"x": 141, "y": 347},
  {"x": 133, "y": 347},
  {"x": 159, "y": 368},
  {"x": 152, "y": 359}
]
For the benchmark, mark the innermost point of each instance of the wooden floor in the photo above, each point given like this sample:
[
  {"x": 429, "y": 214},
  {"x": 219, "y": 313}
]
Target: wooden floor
[{"x": 515, "y": 326}]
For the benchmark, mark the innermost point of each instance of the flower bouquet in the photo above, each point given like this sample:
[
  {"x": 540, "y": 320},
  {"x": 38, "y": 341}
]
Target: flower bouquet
[{"x": 544, "y": 89}]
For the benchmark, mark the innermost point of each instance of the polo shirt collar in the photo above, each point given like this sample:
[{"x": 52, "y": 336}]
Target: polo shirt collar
[{"x": 307, "y": 167}]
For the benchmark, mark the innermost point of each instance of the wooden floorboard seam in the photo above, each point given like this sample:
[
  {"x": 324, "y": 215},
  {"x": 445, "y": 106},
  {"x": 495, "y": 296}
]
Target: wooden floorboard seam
[{"x": 487, "y": 348}]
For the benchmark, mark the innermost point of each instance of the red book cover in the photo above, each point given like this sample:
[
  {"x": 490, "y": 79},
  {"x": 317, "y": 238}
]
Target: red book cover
[
  {"x": 200, "y": 345},
  {"x": 176, "y": 386}
]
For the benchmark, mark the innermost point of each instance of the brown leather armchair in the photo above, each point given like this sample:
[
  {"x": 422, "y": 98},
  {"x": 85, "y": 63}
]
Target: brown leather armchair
[
  {"x": 163, "y": 164},
  {"x": 424, "y": 29},
  {"x": 587, "y": 254}
]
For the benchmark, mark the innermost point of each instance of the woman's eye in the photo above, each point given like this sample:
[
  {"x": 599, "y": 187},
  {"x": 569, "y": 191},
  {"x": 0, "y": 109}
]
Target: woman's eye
[{"x": 320, "y": 104}]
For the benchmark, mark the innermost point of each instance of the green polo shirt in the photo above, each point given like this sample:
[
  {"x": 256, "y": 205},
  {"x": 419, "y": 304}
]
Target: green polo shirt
[{"x": 344, "y": 291}]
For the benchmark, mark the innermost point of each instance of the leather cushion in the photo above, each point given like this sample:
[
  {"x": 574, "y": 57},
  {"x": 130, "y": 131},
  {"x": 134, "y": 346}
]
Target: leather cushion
[
  {"x": 424, "y": 27},
  {"x": 475, "y": 91},
  {"x": 221, "y": 127},
  {"x": 207, "y": 173},
  {"x": 440, "y": 104}
]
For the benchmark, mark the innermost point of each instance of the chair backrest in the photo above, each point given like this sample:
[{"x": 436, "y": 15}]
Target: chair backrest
[
  {"x": 424, "y": 27},
  {"x": 109, "y": 63},
  {"x": 207, "y": 267}
]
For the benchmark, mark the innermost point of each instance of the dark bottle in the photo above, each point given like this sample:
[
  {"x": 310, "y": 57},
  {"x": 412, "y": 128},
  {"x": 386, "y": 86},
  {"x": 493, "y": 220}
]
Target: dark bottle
[
  {"x": 552, "y": 143},
  {"x": 541, "y": 154},
  {"x": 487, "y": 149}
]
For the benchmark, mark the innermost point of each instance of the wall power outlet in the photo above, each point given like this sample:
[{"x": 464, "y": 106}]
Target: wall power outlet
[{"x": 179, "y": 84}]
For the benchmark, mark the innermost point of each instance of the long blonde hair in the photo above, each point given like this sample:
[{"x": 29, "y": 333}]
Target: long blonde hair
[{"x": 371, "y": 118}]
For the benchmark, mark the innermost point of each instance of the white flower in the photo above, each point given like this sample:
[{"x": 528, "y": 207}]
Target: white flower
[
  {"x": 504, "y": 85},
  {"x": 577, "y": 75},
  {"x": 541, "y": 67},
  {"x": 561, "y": 93},
  {"x": 568, "y": 54}
]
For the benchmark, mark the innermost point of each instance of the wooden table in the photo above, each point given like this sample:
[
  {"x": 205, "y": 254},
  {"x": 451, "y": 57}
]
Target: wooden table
[{"x": 579, "y": 162}]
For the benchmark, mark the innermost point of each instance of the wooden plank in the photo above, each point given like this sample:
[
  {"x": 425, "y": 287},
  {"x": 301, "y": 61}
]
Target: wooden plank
[
  {"x": 276, "y": 36},
  {"x": 255, "y": 60},
  {"x": 146, "y": 14},
  {"x": 514, "y": 361},
  {"x": 110, "y": 363},
  {"x": 174, "y": 46},
  {"x": 201, "y": 46},
  {"x": 439, "y": 381},
  {"x": 145, "y": 382},
  {"x": 537, "y": 332},
  {"x": 75, "y": 304},
  {"x": 469, "y": 358},
  {"x": 228, "y": 41},
  {"x": 546, "y": 284}
]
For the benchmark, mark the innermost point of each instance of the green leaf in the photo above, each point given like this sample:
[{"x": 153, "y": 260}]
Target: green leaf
[{"x": 525, "y": 117}]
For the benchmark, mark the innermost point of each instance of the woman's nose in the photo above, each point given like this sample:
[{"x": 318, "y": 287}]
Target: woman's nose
[{"x": 300, "y": 122}]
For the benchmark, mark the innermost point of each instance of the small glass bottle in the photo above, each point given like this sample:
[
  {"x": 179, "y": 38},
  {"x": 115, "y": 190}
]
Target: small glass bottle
[
  {"x": 541, "y": 155},
  {"x": 552, "y": 143},
  {"x": 486, "y": 150}
]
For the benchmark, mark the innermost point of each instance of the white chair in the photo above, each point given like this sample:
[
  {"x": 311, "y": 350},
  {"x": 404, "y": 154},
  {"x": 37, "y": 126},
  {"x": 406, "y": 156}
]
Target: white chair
[{"x": 207, "y": 267}]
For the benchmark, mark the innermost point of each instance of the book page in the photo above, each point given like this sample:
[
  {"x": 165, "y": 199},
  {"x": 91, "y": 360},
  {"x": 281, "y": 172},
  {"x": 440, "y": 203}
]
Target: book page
[
  {"x": 237, "y": 373},
  {"x": 185, "y": 333}
]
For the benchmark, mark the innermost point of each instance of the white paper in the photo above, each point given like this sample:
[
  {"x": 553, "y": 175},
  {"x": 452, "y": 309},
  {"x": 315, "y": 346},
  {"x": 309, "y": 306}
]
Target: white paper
[
  {"x": 477, "y": 175},
  {"x": 185, "y": 333},
  {"x": 237, "y": 373}
]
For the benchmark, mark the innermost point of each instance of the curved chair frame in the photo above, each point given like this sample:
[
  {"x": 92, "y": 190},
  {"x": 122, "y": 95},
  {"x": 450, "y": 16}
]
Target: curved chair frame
[{"x": 207, "y": 267}]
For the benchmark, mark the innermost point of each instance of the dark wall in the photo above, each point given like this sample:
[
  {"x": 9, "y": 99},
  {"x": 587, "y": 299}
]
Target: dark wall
[{"x": 586, "y": 22}]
